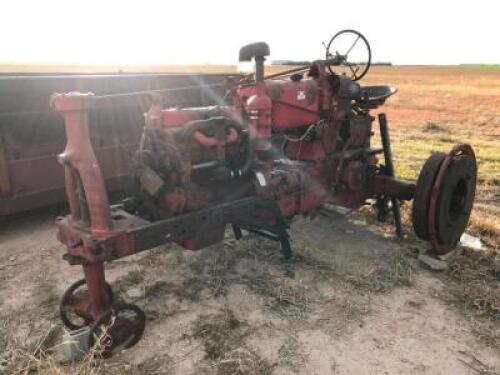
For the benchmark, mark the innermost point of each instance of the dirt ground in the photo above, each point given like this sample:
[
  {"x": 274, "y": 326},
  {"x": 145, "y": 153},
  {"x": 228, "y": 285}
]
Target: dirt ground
[{"x": 354, "y": 300}]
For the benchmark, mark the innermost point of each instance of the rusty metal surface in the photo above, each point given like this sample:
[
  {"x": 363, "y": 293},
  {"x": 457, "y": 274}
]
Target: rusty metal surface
[
  {"x": 452, "y": 198},
  {"x": 425, "y": 182},
  {"x": 31, "y": 134}
]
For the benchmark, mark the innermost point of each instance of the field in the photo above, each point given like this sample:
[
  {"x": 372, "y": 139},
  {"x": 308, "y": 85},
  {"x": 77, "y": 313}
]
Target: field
[
  {"x": 437, "y": 107},
  {"x": 354, "y": 300}
]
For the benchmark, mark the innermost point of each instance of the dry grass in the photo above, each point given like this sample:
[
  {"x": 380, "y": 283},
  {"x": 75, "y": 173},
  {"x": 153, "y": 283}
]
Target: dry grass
[
  {"x": 222, "y": 336},
  {"x": 398, "y": 272},
  {"x": 90, "y": 365},
  {"x": 291, "y": 298},
  {"x": 46, "y": 357},
  {"x": 477, "y": 282},
  {"x": 473, "y": 281},
  {"x": 44, "y": 360},
  {"x": 436, "y": 107}
]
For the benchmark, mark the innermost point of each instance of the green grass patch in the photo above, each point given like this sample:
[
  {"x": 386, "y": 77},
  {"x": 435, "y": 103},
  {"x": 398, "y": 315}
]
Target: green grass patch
[
  {"x": 410, "y": 156},
  {"x": 481, "y": 66}
]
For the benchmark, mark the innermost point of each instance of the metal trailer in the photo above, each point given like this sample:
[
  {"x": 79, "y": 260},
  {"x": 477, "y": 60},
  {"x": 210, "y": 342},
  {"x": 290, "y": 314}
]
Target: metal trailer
[{"x": 31, "y": 134}]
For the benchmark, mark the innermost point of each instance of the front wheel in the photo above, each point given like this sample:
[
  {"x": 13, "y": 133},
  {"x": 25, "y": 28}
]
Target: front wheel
[
  {"x": 75, "y": 306},
  {"x": 121, "y": 328}
]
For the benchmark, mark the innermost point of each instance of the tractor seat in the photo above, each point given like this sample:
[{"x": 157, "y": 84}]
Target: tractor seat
[{"x": 377, "y": 95}]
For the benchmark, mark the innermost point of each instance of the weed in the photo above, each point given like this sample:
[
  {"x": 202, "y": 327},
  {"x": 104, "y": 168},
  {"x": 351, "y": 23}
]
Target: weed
[
  {"x": 473, "y": 286},
  {"x": 398, "y": 272},
  {"x": 433, "y": 127}
]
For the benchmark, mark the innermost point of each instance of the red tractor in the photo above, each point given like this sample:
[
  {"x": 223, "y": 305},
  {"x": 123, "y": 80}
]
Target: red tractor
[{"x": 276, "y": 146}]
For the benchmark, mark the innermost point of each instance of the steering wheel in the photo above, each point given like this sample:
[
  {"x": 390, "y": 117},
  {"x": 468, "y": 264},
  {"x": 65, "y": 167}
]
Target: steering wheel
[{"x": 350, "y": 42}]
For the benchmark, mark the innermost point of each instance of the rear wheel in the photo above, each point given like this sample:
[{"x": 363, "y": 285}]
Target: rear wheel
[
  {"x": 444, "y": 197},
  {"x": 422, "y": 197}
]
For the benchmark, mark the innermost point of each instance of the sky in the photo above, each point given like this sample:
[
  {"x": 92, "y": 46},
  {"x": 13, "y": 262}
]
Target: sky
[{"x": 211, "y": 32}]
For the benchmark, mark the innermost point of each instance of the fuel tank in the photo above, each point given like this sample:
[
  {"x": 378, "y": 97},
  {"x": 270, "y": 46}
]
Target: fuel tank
[{"x": 295, "y": 103}]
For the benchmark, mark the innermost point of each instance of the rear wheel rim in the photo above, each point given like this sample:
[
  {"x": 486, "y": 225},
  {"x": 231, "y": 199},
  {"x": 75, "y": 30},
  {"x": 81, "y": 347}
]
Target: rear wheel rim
[{"x": 452, "y": 198}]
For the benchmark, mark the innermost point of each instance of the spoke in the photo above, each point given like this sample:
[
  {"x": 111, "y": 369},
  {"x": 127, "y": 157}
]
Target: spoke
[
  {"x": 350, "y": 49},
  {"x": 83, "y": 310},
  {"x": 352, "y": 70},
  {"x": 77, "y": 300}
]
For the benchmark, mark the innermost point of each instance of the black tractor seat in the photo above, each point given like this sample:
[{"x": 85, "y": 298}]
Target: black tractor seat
[{"x": 377, "y": 95}]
